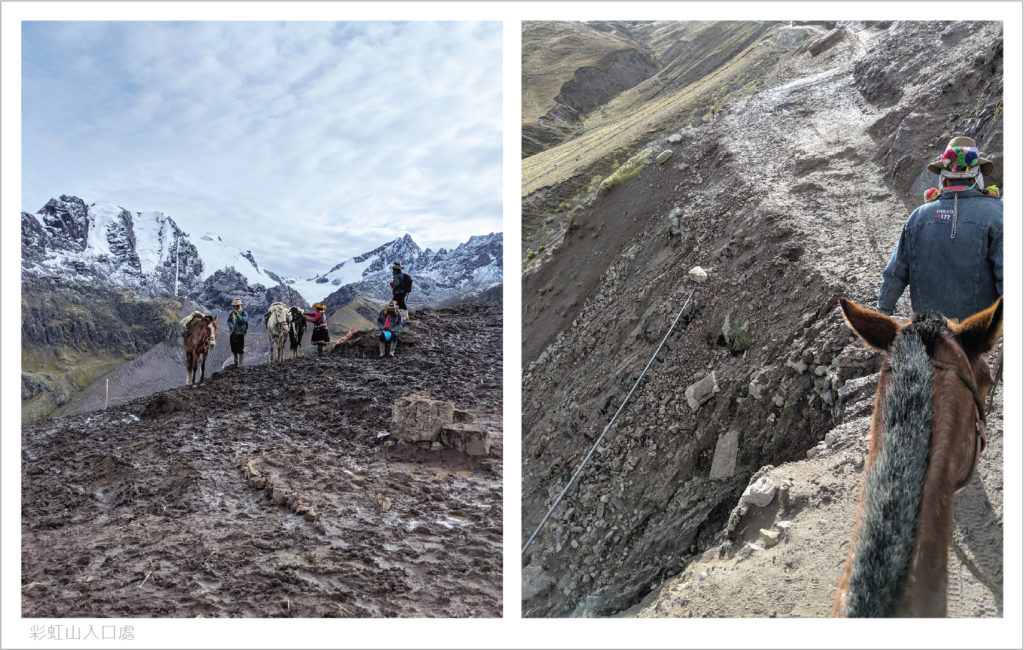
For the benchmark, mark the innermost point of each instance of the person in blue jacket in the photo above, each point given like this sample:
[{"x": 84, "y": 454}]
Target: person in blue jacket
[{"x": 950, "y": 251}]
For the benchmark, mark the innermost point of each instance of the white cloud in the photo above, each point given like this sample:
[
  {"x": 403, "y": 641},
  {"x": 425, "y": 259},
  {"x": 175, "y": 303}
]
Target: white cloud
[{"x": 306, "y": 142}]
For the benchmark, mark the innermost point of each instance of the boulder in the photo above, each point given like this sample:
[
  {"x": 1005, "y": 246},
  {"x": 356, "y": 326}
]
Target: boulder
[
  {"x": 664, "y": 155},
  {"x": 769, "y": 538},
  {"x": 826, "y": 42},
  {"x": 701, "y": 391},
  {"x": 536, "y": 581},
  {"x": 419, "y": 418},
  {"x": 759, "y": 493},
  {"x": 724, "y": 463},
  {"x": 470, "y": 439}
]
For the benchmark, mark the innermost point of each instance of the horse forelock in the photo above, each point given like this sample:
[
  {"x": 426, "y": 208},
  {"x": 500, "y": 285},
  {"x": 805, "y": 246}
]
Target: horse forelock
[{"x": 895, "y": 482}]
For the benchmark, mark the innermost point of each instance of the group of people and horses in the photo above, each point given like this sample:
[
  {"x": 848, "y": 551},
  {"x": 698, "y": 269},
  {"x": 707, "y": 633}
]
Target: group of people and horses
[{"x": 286, "y": 326}]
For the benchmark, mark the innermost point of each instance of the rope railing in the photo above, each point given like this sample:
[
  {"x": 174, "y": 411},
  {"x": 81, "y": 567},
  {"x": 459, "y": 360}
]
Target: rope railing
[{"x": 698, "y": 275}]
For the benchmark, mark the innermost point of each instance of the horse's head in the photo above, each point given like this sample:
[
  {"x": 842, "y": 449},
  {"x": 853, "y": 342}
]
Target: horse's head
[
  {"x": 212, "y": 325},
  {"x": 960, "y": 379}
]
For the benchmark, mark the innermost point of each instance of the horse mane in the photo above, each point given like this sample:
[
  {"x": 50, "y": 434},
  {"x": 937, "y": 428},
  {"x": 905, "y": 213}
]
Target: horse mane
[{"x": 895, "y": 483}]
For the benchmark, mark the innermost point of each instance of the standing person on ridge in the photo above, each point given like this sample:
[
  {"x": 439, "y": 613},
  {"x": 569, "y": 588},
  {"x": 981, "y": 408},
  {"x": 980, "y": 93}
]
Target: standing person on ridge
[
  {"x": 389, "y": 322},
  {"x": 951, "y": 249},
  {"x": 400, "y": 285},
  {"x": 238, "y": 325},
  {"x": 318, "y": 318}
]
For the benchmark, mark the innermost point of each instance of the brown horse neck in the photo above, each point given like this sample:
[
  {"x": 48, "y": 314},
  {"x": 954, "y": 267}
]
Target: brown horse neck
[{"x": 952, "y": 460}]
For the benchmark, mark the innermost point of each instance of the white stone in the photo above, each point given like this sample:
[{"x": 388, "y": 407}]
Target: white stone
[
  {"x": 664, "y": 155},
  {"x": 674, "y": 138},
  {"x": 759, "y": 493},
  {"x": 754, "y": 389},
  {"x": 769, "y": 538},
  {"x": 697, "y": 274}
]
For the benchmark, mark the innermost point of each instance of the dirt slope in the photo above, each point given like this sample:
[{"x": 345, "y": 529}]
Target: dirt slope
[
  {"x": 790, "y": 197},
  {"x": 269, "y": 491}
]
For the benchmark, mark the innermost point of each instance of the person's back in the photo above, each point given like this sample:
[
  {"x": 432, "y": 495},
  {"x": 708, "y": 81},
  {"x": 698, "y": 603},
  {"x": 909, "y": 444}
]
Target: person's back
[
  {"x": 951, "y": 249},
  {"x": 957, "y": 273}
]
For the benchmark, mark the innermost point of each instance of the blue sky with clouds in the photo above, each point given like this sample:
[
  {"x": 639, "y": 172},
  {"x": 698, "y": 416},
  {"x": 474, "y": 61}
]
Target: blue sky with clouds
[{"x": 305, "y": 142}]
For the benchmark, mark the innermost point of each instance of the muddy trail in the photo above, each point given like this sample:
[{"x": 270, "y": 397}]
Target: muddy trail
[{"x": 275, "y": 491}]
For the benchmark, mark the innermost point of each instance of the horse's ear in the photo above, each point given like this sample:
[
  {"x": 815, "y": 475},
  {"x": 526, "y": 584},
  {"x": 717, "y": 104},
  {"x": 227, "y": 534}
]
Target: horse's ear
[
  {"x": 877, "y": 330},
  {"x": 979, "y": 333},
  {"x": 215, "y": 318}
]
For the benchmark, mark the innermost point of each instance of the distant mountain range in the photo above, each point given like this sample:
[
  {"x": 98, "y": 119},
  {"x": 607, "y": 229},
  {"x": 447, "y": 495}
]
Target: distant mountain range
[
  {"x": 149, "y": 254},
  {"x": 103, "y": 285}
]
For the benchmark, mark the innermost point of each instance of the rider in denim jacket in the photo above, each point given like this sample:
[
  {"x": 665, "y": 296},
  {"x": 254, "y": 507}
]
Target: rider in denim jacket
[{"x": 951, "y": 249}]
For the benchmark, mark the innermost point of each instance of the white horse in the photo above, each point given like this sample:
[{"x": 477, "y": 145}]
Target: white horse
[{"x": 277, "y": 327}]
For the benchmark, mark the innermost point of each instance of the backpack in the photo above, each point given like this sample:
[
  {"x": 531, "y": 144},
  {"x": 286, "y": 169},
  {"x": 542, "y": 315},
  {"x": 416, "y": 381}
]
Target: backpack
[{"x": 406, "y": 282}]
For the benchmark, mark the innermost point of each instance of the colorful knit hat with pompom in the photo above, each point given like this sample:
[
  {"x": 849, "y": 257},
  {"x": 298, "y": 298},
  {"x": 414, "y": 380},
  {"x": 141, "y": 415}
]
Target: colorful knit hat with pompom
[
  {"x": 960, "y": 162},
  {"x": 961, "y": 157}
]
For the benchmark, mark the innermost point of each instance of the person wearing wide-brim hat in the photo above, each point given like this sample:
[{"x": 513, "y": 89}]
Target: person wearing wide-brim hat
[
  {"x": 318, "y": 317},
  {"x": 950, "y": 251},
  {"x": 238, "y": 325},
  {"x": 389, "y": 322}
]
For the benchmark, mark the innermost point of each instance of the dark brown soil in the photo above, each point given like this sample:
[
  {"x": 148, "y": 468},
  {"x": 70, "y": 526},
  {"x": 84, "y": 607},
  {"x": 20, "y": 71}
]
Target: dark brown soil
[{"x": 272, "y": 491}]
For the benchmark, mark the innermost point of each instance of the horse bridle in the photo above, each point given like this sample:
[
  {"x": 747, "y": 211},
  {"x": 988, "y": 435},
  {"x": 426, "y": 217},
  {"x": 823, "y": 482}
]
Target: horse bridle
[{"x": 979, "y": 417}]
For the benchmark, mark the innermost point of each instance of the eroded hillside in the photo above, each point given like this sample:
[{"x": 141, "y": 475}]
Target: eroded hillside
[{"x": 791, "y": 194}]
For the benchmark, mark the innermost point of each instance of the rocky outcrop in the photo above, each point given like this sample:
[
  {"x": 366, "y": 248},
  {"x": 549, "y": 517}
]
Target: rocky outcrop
[
  {"x": 67, "y": 218},
  {"x": 227, "y": 284},
  {"x": 592, "y": 86}
]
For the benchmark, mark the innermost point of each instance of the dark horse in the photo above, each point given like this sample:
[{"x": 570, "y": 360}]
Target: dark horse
[
  {"x": 296, "y": 328},
  {"x": 927, "y": 432},
  {"x": 200, "y": 338}
]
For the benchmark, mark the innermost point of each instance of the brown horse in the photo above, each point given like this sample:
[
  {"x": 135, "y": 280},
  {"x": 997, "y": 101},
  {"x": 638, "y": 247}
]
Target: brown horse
[
  {"x": 927, "y": 432},
  {"x": 198, "y": 342}
]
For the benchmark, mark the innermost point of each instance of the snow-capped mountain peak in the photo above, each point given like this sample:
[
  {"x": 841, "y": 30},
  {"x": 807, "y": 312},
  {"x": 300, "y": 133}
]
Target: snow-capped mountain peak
[{"x": 146, "y": 252}]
